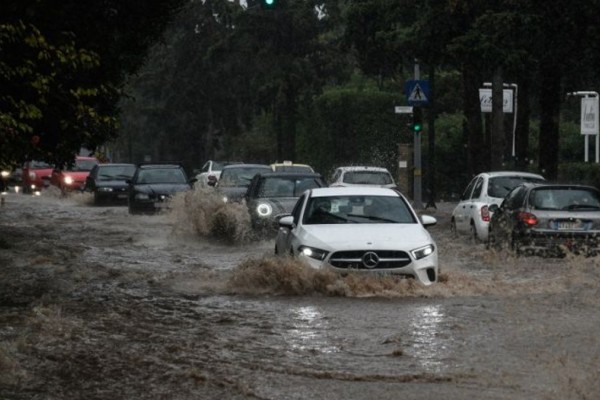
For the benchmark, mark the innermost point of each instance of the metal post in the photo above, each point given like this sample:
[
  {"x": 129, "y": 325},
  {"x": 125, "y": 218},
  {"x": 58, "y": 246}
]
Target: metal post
[{"x": 417, "y": 200}]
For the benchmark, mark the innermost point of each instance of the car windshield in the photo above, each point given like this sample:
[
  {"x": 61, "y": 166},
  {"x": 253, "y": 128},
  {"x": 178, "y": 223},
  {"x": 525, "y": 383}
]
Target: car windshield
[
  {"x": 564, "y": 199},
  {"x": 39, "y": 165},
  {"x": 285, "y": 187},
  {"x": 368, "y": 178},
  {"x": 109, "y": 172},
  {"x": 357, "y": 210},
  {"x": 161, "y": 175},
  {"x": 235, "y": 177},
  {"x": 500, "y": 186}
]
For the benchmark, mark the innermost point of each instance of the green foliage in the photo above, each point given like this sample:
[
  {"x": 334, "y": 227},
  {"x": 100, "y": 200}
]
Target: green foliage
[
  {"x": 348, "y": 126},
  {"x": 47, "y": 110},
  {"x": 580, "y": 173}
]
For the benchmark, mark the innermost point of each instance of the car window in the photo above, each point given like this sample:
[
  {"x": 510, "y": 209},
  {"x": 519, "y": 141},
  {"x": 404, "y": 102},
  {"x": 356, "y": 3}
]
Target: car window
[
  {"x": 109, "y": 172},
  {"x": 206, "y": 167},
  {"x": 354, "y": 209},
  {"x": 217, "y": 166},
  {"x": 500, "y": 186},
  {"x": 161, "y": 175},
  {"x": 477, "y": 189},
  {"x": 286, "y": 187},
  {"x": 237, "y": 177},
  {"x": 564, "y": 199},
  {"x": 39, "y": 165},
  {"x": 515, "y": 198},
  {"x": 83, "y": 165},
  {"x": 367, "y": 178},
  {"x": 467, "y": 193}
]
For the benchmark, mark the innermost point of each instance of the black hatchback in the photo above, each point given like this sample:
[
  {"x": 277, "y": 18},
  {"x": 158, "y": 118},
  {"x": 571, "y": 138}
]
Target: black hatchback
[
  {"x": 547, "y": 219},
  {"x": 108, "y": 182},
  {"x": 152, "y": 186}
]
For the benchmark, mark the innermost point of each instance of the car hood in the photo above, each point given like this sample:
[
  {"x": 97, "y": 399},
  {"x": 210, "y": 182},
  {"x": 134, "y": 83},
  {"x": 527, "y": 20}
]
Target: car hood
[
  {"x": 162, "y": 188},
  {"x": 114, "y": 183},
  {"x": 281, "y": 205},
  {"x": 365, "y": 236},
  {"x": 77, "y": 175}
]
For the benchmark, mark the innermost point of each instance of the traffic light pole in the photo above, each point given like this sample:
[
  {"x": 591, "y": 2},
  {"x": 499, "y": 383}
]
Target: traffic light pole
[{"x": 417, "y": 173}]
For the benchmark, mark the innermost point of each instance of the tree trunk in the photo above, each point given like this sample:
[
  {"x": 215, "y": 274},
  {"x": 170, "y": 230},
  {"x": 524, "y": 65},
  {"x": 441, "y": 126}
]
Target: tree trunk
[
  {"x": 549, "y": 113},
  {"x": 472, "y": 111},
  {"x": 522, "y": 132},
  {"x": 497, "y": 145}
]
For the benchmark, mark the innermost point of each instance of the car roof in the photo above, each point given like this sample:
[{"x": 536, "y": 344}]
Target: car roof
[
  {"x": 363, "y": 168},
  {"x": 274, "y": 174},
  {"x": 493, "y": 174},
  {"x": 353, "y": 190},
  {"x": 232, "y": 166},
  {"x": 115, "y": 165},
  {"x": 155, "y": 166},
  {"x": 537, "y": 185}
]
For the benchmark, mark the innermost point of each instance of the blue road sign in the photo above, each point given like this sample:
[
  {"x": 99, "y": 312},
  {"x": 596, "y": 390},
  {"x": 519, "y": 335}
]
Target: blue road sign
[{"x": 417, "y": 92}]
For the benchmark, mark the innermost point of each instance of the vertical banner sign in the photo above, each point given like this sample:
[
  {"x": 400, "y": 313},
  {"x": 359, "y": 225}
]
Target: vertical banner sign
[
  {"x": 589, "y": 115},
  {"x": 485, "y": 100}
]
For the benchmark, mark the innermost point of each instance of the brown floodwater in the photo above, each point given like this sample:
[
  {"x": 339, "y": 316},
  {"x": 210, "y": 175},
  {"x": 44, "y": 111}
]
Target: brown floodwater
[{"x": 98, "y": 304}]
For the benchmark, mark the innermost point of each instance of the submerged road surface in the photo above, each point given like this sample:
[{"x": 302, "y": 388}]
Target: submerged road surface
[{"x": 98, "y": 304}]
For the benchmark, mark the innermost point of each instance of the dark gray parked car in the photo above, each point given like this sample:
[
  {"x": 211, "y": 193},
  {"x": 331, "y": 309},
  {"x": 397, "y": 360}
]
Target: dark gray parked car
[
  {"x": 235, "y": 179},
  {"x": 274, "y": 194},
  {"x": 547, "y": 219}
]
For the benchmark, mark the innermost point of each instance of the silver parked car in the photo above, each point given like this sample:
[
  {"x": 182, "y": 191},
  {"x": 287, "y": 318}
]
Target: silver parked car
[
  {"x": 548, "y": 219},
  {"x": 472, "y": 215}
]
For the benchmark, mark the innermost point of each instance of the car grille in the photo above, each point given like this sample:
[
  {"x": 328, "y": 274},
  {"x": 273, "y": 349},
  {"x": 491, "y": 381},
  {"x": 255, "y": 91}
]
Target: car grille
[{"x": 370, "y": 259}]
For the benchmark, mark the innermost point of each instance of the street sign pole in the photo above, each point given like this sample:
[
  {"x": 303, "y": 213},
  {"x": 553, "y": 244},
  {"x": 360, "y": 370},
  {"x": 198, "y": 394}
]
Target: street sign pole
[
  {"x": 417, "y": 187},
  {"x": 589, "y": 120}
]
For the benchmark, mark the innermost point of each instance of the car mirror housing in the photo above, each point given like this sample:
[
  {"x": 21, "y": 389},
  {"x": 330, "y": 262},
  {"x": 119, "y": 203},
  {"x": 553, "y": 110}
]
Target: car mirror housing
[
  {"x": 286, "y": 221},
  {"x": 428, "y": 220},
  {"x": 493, "y": 207}
]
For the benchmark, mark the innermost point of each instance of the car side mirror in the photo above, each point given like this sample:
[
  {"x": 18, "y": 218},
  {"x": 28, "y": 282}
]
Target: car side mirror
[
  {"x": 428, "y": 220},
  {"x": 286, "y": 222},
  {"x": 493, "y": 208}
]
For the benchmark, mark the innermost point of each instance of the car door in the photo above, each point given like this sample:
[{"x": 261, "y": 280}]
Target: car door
[
  {"x": 461, "y": 214},
  {"x": 474, "y": 204}
]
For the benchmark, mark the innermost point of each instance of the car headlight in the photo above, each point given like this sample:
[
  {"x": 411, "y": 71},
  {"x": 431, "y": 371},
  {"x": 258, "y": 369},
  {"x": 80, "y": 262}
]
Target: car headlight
[
  {"x": 105, "y": 189},
  {"x": 5, "y": 174},
  {"x": 142, "y": 196},
  {"x": 313, "y": 252},
  {"x": 422, "y": 252},
  {"x": 264, "y": 210},
  {"x": 225, "y": 199},
  {"x": 68, "y": 180}
]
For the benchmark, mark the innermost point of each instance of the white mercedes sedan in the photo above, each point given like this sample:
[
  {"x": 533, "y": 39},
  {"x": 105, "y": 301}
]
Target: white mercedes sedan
[{"x": 360, "y": 229}]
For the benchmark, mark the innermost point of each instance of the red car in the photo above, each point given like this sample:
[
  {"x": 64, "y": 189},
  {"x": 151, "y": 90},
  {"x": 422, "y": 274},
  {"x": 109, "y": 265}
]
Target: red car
[
  {"x": 36, "y": 176},
  {"x": 73, "y": 178}
]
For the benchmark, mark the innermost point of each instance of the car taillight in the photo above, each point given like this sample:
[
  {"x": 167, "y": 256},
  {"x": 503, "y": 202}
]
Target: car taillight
[
  {"x": 485, "y": 214},
  {"x": 527, "y": 218}
]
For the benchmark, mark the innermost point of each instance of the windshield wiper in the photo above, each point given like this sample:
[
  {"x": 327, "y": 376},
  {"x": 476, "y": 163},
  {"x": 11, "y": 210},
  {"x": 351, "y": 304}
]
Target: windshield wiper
[{"x": 373, "y": 218}]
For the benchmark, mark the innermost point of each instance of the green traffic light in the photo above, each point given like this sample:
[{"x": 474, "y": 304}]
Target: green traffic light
[
  {"x": 269, "y": 2},
  {"x": 417, "y": 127}
]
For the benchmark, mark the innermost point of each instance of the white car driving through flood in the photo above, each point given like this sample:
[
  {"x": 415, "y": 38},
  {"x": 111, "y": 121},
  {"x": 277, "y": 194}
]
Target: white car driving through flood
[{"x": 360, "y": 229}]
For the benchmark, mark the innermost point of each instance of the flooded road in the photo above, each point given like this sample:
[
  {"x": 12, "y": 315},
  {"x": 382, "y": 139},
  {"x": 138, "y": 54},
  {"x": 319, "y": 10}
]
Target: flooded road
[{"x": 98, "y": 304}]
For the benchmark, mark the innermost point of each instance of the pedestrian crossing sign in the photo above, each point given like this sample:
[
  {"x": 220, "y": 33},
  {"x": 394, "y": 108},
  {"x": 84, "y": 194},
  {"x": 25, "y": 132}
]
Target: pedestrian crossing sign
[{"x": 417, "y": 92}]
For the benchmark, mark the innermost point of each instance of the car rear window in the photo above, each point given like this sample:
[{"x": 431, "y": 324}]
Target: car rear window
[
  {"x": 564, "y": 199},
  {"x": 367, "y": 178},
  {"x": 286, "y": 187},
  {"x": 500, "y": 186}
]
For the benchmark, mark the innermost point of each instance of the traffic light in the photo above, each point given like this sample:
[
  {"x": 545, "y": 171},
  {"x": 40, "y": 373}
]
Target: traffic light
[
  {"x": 417, "y": 125},
  {"x": 269, "y": 4}
]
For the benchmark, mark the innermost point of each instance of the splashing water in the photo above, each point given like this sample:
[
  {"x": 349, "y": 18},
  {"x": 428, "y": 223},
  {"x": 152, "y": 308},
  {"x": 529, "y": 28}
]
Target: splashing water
[{"x": 203, "y": 212}]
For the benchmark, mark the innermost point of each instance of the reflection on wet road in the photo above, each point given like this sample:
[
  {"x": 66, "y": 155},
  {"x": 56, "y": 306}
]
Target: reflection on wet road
[{"x": 135, "y": 307}]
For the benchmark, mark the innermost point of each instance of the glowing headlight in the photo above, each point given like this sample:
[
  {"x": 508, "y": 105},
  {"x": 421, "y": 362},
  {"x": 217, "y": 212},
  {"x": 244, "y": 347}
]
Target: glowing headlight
[
  {"x": 422, "y": 252},
  {"x": 105, "y": 189},
  {"x": 225, "y": 199},
  {"x": 313, "y": 252},
  {"x": 142, "y": 196},
  {"x": 264, "y": 210},
  {"x": 5, "y": 174},
  {"x": 68, "y": 180}
]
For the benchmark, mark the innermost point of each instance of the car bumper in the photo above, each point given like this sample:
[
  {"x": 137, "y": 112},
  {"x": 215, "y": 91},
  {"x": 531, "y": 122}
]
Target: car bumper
[
  {"x": 557, "y": 244},
  {"x": 425, "y": 270}
]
